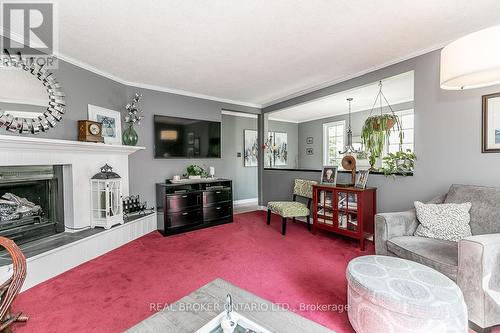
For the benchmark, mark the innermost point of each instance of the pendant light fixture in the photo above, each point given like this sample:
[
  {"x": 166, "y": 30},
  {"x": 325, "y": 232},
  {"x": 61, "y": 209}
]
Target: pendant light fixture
[
  {"x": 349, "y": 149},
  {"x": 472, "y": 61}
]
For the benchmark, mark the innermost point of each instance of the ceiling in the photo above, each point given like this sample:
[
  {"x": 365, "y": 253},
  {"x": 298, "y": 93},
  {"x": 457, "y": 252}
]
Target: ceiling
[
  {"x": 397, "y": 89},
  {"x": 256, "y": 52}
]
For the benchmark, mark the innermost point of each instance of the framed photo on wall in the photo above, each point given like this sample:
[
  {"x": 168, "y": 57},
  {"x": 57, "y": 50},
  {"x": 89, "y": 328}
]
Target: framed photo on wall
[
  {"x": 251, "y": 148},
  {"x": 329, "y": 175},
  {"x": 491, "y": 123},
  {"x": 190, "y": 138},
  {"x": 111, "y": 123},
  {"x": 280, "y": 148}
]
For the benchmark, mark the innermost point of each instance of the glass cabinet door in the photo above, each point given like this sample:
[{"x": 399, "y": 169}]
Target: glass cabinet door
[
  {"x": 347, "y": 218},
  {"x": 325, "y": 213}
]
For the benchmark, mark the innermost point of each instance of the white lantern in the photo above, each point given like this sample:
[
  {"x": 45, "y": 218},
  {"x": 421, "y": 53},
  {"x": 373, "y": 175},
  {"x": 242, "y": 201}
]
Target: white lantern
[{"x": 106, "y": 199}]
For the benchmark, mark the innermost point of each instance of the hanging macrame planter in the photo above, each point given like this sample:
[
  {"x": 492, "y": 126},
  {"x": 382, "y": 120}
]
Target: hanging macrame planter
[{"x": 377, "y": 128}]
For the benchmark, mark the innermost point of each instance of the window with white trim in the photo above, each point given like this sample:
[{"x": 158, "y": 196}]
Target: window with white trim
[
  {"x": 407, "y": 127},
  {"x": 333, "y": 141}
]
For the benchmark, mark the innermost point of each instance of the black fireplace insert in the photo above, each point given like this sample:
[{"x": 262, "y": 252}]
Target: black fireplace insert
[{"x": 31, "y": 202}]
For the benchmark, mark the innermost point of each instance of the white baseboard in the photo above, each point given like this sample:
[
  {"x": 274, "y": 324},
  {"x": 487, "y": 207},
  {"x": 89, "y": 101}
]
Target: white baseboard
[
  {"x": 54, "y": 262},
  {"x": 245, "y": 201}
]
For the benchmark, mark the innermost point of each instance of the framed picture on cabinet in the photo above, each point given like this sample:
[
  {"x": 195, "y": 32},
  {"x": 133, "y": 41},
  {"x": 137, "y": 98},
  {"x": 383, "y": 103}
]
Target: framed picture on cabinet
[
  {"x": 362, "y": 178},
  {"x": 329, "y": 175}
]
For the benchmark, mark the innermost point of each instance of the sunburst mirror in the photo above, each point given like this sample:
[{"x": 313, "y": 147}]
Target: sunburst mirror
[{"x": 31, "y": 100}]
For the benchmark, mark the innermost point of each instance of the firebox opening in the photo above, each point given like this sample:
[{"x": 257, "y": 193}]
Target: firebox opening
[{"x": 31, "y": 202}]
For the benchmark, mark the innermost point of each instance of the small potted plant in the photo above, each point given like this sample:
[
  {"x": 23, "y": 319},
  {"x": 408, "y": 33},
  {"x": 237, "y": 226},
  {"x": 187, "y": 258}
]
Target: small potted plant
[
  {"x": 195, "y": 172},
  {"x": 399, "y": 162}
]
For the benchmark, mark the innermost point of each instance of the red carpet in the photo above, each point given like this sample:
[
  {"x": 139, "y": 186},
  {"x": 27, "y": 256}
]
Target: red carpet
[{"x": 113, "y": 292}]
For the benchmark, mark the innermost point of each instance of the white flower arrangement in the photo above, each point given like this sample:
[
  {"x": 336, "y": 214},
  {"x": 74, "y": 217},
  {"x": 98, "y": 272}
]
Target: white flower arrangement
[{"x": 134, "y": 113}]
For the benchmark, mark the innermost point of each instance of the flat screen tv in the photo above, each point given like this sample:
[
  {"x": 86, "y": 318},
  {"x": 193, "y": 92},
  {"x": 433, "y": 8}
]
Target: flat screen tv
[{"x": 186, "y": 138}]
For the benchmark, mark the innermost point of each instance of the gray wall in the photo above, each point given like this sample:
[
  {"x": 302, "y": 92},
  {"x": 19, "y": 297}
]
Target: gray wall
[
  {"x": 314, "y": 129},
  {"x": 81, "y": 88},
  {"x": 293, "y": 144},
  {"x": 447, "y": 139},
  {"x": 145, "y": 171},
  {"x": 245, "y": 178}
]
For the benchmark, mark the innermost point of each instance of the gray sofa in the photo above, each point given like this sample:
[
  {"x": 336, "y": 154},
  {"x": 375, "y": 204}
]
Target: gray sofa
[{"x": 473, "y": 263}]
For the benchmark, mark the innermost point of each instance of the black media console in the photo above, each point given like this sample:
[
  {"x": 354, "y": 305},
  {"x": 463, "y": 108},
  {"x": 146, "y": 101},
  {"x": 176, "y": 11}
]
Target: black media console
[{"x": 193, "y": 205}]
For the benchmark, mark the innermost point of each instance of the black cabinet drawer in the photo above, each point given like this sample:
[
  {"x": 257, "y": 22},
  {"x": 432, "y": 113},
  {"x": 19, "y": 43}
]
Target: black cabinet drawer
[
  {"x": 186, "y": 218},
  {"x": 214, "y": 196},
  {"x": 178, "y": 202},
  {"x": 217, "y": 212}
]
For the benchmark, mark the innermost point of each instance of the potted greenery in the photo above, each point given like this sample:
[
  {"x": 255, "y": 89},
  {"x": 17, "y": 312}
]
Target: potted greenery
[
  {"x": 399, "y": 163},
  {"x": 195, "y": 172},
  {"x": 375, "y": 133}
]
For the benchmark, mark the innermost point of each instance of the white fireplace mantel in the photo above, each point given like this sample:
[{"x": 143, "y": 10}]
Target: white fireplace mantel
[
  {"x": 33, "y": 142},
  {"x": 80, "y": 161}
]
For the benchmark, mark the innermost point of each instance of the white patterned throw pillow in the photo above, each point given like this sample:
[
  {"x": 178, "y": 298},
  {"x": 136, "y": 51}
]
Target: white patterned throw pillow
[{"x": 443, "y": 221}]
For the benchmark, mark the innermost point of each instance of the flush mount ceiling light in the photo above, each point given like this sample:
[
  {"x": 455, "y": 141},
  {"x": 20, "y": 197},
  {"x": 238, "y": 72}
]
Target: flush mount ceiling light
[{"x": 472, "y": 61}]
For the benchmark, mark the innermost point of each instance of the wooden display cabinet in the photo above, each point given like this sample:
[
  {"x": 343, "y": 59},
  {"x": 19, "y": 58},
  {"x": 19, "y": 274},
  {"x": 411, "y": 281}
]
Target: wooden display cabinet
[{"x": 347, "y": 211}]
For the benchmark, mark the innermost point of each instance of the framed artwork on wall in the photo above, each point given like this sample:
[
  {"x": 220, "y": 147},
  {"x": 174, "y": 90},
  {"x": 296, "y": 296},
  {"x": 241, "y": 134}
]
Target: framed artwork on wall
[
  {"x": 111, "y": 123},
  {"x": 309, "y": 151},
  {"x": 276, "y": 149},
  {"x": 251, "y": 148},
  {"x": 190, "y": 138},
  {"x": 196, "y": 146},
  {"x": 281, "y": 148},
  {"x": 309, "y": 140},
  {"x": 491, "y": 123}
]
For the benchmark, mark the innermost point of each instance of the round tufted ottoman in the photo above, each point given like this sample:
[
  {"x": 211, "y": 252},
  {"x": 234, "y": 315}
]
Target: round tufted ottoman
[{"x": 387, "y": 294}]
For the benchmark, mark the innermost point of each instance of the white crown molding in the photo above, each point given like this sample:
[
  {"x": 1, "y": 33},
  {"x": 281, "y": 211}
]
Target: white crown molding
[
  {"x": 20, "y": 39},
  {"x": 41, "y": 144},
  {"x": 283, "y": 120},
  {"x": 239, "y": 114},
  {"x": 150, "y": 86},
  {"x": 352, "y": 76},
  {"x": 286, "y": 97},
  {"x": 329, "y": 116}
]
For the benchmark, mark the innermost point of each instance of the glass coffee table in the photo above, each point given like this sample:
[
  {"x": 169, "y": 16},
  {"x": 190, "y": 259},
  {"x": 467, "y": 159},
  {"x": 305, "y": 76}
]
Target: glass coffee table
[{"x": 220, "y": 304}]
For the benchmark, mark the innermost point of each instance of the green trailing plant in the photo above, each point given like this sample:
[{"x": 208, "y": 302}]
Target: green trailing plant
[
  {"x": 195, "y": 170},
  {"x": 399, "y": 162},
  {"x": 375, "y": 134}
]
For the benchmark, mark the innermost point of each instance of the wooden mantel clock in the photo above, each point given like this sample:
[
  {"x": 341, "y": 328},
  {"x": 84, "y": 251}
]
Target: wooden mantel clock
[{"x": 90, "y": 131}]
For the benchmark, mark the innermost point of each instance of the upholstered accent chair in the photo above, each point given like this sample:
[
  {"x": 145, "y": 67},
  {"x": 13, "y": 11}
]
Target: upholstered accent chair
[
  {"x": 293, "y": 209},
  {"x": 473, "y": 262}
]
